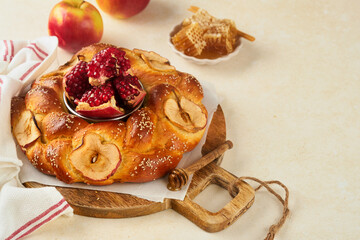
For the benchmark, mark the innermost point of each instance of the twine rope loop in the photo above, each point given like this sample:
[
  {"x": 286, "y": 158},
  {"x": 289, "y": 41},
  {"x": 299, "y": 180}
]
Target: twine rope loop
[{"x": 284, "y": 201}]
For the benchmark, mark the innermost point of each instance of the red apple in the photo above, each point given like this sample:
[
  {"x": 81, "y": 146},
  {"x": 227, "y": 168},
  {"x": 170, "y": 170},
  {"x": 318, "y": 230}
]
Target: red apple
[
  {"x": 76, "y": 23},
  {"x": 122, "y": 8}
]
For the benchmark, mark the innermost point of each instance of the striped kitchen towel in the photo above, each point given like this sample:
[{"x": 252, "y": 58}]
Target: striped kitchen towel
[{"x": 23, "y": 210}]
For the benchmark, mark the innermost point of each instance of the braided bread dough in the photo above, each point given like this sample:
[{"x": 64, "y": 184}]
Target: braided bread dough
[{"x": 143, "y": 148}]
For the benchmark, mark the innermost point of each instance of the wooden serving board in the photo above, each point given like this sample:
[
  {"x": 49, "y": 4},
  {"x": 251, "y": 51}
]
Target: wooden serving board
[{"x": 117, "y": 205}]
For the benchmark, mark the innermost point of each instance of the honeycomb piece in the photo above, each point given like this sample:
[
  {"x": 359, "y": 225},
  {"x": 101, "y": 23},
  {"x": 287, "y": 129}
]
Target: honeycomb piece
[
  {"x": 205, "y": 36},
  {"x": 202, "y": 17},
  {"x": 190, "y": 40},
  {"x": 221, "y": 36}
]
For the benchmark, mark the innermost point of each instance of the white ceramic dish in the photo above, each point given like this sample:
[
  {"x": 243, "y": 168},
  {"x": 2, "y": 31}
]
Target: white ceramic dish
[{"x": 202, "y": 61}]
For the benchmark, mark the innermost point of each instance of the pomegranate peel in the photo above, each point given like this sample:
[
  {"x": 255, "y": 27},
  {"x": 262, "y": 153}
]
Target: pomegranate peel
[{"x": 106, "y": 110}]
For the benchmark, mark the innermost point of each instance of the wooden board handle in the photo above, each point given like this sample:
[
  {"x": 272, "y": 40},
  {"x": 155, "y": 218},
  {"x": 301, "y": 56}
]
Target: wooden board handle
[
  {"x": 242, "y": 193},
  {"x": 179, "y": 177}
]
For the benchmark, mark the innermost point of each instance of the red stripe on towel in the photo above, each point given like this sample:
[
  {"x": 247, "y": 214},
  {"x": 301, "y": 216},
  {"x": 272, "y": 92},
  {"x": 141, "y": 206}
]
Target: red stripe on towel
[
  {"x": 37, "y": 54},
  {"x": 12, "y": 49},
  {"x": 6, "y": 50},
  {"x": 57, "y": 213},
  {"x": 36, "y": 219},
  {"x": 39, "y": 49},
  {"x": 29, "y": 71}
]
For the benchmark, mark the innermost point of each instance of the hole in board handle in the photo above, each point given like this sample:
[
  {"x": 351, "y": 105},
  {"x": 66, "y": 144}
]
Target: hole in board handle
[{"x": 213, "y": 198}]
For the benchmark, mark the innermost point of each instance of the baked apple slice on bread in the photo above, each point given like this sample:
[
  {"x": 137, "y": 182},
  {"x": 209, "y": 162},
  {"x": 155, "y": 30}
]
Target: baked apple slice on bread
[
  {"x": 185, "y": 114},
  {"x": 95, "y": 159},
  {"x": 26, "y": 131}
]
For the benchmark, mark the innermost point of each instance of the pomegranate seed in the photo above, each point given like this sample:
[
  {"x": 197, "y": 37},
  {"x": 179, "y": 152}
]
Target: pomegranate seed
[
  {"x": 108, "y": 63},
  {"x": 128, "y": 88},
  {"x": 98, "y": 95},
  {"x": 76, "y": 81}
]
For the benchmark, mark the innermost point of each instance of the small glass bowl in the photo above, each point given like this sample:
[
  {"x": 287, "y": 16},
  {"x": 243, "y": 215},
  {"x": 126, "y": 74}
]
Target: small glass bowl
[
  {"x": 71, "y": 109},
  {"x": 203, "y": 61}
]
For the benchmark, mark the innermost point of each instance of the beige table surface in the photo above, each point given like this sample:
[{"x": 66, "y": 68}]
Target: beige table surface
[{"x": 292, "y": 105}]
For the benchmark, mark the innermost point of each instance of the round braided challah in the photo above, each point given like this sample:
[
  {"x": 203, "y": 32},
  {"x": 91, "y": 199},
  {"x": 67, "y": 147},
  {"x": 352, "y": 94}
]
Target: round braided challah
[{"x": 144, "y": 147}]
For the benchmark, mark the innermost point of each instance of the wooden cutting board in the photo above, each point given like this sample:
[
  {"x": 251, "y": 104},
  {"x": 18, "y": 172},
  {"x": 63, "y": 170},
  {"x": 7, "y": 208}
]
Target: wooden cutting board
[{"x": 103, "y": 204}]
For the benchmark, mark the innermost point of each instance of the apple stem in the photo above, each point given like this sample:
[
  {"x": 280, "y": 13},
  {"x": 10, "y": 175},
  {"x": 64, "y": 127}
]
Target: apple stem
[{"x": 75, "y": 3}]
